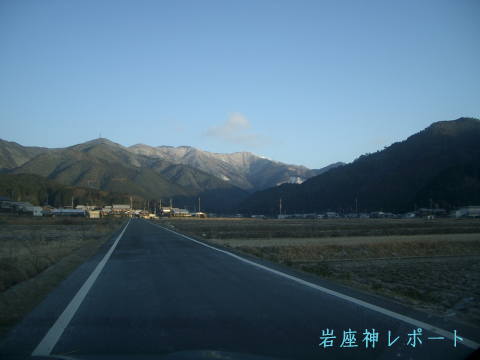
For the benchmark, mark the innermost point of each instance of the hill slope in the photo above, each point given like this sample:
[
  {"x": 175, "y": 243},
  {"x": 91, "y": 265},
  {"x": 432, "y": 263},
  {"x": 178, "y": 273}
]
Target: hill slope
[
  {"x": 13, "y": 154},
  {"x": 104, "y": 165},
  {"x": 438, "y": 163},
  {"x": 40, "y": 191}
]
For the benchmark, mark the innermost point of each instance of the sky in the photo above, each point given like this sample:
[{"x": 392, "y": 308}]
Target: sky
[{"x": 302, "y": 82}]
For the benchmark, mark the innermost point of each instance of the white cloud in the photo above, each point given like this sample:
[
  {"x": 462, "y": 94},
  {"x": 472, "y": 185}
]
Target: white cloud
[
  {"x": 379, "y": 141},
  {"x": 236, "y": 130}
]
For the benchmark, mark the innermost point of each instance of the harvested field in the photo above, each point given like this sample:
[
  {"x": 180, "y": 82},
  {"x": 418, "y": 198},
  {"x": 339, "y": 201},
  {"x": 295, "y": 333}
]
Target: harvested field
[
  {"x": 444, "y": 286},
  {"x": 433, "y": 266},
  {"x": 30, "y": 246},
  {"x": 270, "y": 228}
]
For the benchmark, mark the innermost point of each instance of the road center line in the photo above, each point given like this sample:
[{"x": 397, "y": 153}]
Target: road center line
[
  {"x": 45, "y": 347},
  {"x": 419, "y": 324}
]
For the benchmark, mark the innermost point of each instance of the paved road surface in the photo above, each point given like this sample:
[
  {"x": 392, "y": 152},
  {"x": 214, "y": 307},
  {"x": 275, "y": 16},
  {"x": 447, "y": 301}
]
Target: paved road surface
[{"x": 161, "y": 293}]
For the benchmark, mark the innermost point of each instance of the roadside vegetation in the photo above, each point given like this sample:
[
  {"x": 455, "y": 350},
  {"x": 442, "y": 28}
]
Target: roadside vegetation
[
  {"x": 432, "y": 265},
  {"x": 37, "y": 253}
]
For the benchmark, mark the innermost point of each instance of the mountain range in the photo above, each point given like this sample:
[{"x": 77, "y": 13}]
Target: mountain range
[
  {"x": 439, "y": 166},
  {"x": 179, "y": 173}
]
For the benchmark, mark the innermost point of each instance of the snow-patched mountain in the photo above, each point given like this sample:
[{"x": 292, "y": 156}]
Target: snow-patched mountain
[{"x": 243, "y": 169}]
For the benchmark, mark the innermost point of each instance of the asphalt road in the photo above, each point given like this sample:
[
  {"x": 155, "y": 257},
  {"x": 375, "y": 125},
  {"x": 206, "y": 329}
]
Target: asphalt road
[{"x": 162, "y": 295}]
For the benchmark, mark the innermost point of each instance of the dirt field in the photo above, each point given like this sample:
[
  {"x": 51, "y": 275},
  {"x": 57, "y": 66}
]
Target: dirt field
[
  {"x": 430, "y": 265},
  {"x": 37, "y": 253}
]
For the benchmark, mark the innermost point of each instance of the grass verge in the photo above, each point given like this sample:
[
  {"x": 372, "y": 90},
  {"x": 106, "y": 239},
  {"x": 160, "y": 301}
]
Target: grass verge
[{"x": 36, "y": 256}]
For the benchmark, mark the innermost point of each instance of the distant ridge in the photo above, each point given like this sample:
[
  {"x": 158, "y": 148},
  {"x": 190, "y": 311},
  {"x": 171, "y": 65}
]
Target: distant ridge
[{"x": 439, "y": 166}]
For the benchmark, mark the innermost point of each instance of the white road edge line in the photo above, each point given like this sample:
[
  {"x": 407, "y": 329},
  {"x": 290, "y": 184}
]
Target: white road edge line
[
  {"x": 45, "y": 347},
  {"x": 420, "y": 324}
]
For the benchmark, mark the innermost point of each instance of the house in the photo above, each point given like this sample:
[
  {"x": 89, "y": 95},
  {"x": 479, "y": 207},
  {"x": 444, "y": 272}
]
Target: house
[
  {"x": 47, "y": 210},
  {"x": 24, "y": 208},
  {"x": 6, "y": 204},
  {"x": 149, "y": 216},
  {"x": 4, "y": 199},
  {"x": 93, "y": 214},
  {"x": 85, "y": 207},
  {"x": 165, "y": 211},
  {"x": 180, "y": 212},
  {"x": 199, "y": 214},
  {"x": 431, "y": 213},
  {"x": 468, "y": 211},
  {"x": 120, "y": 207},
  {"x": 351, "y": 215},
  {"x": 331, "y": 215},
  {"x": 68, "y": 212}
]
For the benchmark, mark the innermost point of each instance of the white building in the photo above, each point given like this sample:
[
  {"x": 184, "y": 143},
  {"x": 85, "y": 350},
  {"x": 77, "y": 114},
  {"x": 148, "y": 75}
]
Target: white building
[
  {"x": 120, "y": 207},
  {"x": 180, "y": 212},
  {"x": 93, "y": 214},
  {"x": 85, "y": 207},
  {"x": 37, "y": 211}
]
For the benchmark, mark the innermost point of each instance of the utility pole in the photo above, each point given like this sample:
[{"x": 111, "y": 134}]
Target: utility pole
[
  {"x": 199, "y": 205},
  {"x": 131, "y": 203},
  {"x": 280, "y": 206},
  {"x": 72, "y": 202},
  {"x": 171, "y": 203}
]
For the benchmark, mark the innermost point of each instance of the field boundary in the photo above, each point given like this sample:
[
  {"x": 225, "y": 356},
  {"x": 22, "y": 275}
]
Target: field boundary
[{"x": 386, "y": 258}]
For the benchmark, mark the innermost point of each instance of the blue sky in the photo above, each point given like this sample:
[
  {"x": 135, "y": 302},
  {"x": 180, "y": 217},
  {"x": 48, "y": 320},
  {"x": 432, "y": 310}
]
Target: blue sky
[{"x": 303, "y": 82}]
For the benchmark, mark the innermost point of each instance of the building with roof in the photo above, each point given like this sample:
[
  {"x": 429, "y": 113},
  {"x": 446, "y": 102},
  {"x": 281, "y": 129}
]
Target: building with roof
[
  {"x": 68, "y": 212},
  {"x": 468, "y": 211}
]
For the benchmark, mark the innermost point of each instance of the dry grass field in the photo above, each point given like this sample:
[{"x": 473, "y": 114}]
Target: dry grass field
[
  {"x": 37, "y": 253},
  {"x": 432, "y": 265}
]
